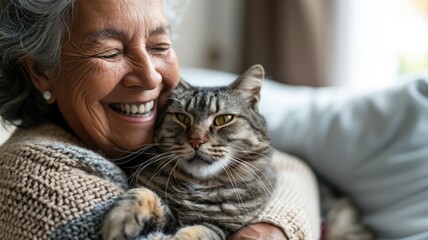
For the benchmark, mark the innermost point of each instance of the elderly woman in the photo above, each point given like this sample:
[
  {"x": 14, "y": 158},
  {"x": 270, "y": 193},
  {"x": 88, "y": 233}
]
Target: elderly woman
[{"x": 65, "y": 64}]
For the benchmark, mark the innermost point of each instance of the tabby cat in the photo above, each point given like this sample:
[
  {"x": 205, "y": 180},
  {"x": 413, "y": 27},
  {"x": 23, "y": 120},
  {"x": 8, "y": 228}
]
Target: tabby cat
[{"x": 210, "y": 172}]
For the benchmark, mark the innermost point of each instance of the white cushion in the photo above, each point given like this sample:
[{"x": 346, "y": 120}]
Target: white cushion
[{"x": 4, "y": 133}]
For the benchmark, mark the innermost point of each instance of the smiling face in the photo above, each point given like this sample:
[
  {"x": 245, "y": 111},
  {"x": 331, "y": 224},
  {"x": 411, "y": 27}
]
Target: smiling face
[{"x": 116, "y": 64}]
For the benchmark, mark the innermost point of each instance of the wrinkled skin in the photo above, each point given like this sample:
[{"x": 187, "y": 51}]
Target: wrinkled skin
[{"x": 259, "y": 231}]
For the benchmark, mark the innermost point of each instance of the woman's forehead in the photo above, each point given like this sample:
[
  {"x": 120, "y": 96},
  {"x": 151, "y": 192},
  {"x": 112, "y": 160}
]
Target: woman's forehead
[{"x": 97, "y": 17}]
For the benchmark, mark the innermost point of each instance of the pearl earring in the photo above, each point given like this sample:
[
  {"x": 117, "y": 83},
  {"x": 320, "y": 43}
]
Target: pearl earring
[{"x": 47, "y": 95}]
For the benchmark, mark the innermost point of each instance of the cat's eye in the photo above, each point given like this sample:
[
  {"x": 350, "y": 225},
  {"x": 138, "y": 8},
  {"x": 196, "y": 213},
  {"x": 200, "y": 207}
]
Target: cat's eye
[
  {"x": 183, "y": 118},
  {"x": 223, "y": 119}
]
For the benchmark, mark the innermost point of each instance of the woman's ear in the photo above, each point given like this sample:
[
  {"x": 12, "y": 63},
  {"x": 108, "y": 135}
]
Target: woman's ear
[{"x": 40, "y": 78}]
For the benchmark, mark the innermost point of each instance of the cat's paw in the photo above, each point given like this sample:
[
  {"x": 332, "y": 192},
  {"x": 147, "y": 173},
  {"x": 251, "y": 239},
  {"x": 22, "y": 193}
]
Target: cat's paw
[
  {"x": 359, "y": 233},
  {"x": 138, "y": 211},
  {"x": 197, "y": 232},
  {"x": 343, "y": 223}
]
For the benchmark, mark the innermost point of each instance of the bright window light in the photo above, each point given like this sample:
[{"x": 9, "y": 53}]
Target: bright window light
[
  {"x": 413, "y": 41},
  {"x": 377, "y": 42}
]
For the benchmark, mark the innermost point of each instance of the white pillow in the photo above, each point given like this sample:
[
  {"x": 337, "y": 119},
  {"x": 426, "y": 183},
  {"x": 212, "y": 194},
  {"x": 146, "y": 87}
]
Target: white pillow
[
  {"x": 5, "y": 133},
  {"x": 373, "y": 145}
]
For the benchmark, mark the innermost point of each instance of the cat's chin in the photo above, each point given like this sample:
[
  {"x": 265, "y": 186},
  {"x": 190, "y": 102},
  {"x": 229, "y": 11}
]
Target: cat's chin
[
  {"x": 199, "y": 160},
  {"x": 201, "y": 168}
]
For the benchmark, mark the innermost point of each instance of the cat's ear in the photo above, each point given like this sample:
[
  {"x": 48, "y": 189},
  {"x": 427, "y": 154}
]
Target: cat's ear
[
  {"x": 182, "y": 86},
  {"x": 249, "y": 84}
]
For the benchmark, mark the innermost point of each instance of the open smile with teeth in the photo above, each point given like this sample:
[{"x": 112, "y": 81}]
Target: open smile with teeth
[{"x": 133, "y": 110}]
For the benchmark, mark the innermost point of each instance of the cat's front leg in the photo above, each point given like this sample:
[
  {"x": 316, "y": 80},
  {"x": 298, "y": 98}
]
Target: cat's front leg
[{"x": 137, "y": 211}]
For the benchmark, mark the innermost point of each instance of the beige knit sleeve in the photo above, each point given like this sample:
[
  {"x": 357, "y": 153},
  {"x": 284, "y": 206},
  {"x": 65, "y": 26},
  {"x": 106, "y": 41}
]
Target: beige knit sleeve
[
  {"x": 294, "y": 206},
  {"x": 46, "y": 194}
]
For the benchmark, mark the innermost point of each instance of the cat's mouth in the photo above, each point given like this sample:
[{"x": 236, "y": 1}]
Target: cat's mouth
[{"x": 133, "y": 110}]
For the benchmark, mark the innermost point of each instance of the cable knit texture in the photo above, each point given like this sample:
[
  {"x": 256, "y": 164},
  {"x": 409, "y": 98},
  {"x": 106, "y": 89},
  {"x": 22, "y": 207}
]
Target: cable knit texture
[
  {"x": 52, "y": 187},
  {"x": 294, "y": 206}
]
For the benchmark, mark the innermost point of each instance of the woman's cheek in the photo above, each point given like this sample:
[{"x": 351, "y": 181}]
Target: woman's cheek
[
  {"x": 92, "y": 77},
  {"x": 105, "y": 76},
  {"x": 170, "y": 70}
]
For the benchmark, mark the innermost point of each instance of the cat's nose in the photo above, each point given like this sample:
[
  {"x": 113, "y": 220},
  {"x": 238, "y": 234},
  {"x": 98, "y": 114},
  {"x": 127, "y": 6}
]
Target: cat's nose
[{"x": 196, "y": 143}]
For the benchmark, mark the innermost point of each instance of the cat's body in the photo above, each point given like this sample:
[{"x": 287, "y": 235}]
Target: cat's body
[
  {"x": 228, "y": 202},
  {"x": 210, "y": 173}
]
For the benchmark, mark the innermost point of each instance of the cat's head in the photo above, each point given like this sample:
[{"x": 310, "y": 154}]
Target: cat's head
[{"x": 208, "y": 130}]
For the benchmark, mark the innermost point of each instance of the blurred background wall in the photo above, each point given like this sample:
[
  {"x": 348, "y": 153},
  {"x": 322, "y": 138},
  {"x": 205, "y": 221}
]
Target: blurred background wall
[
  {"x": 308, "y": 42},
  {"x": 211, "y": 34}
]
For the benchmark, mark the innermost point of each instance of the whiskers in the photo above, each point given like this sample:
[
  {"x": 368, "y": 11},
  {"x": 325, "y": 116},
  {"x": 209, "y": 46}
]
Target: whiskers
[
  {"x": 232, "y": 181},
  {"x": 128, "y": 156},
  {"x": 248, "y": 180},
  {"x": 156, "y": 170},
  {"x": 250, "y": 170},
  {"x": 145, "y": 163}
]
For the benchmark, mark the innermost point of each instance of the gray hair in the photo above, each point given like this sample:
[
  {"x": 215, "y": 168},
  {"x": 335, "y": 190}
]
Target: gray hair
[
  {"x": 174, "y": 11},
  {"x": 35, "y": 29}
]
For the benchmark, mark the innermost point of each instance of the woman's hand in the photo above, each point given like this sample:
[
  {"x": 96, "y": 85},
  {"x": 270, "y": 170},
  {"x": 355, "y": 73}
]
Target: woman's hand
[{"x": 259, "y": 231}]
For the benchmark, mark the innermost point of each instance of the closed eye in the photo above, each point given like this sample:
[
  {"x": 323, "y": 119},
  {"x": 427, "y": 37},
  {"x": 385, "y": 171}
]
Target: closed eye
[
  {"x": 160, "y": 49},
  {"x": 110, "y": 54}
]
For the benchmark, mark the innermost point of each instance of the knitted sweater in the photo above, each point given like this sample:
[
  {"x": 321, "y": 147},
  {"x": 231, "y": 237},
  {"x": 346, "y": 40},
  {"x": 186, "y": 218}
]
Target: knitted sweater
[{"x": 53, "y": 187}]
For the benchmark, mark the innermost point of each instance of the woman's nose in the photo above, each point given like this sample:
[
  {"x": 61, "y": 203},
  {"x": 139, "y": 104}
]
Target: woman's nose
[{"x": 144, "y": 73}]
